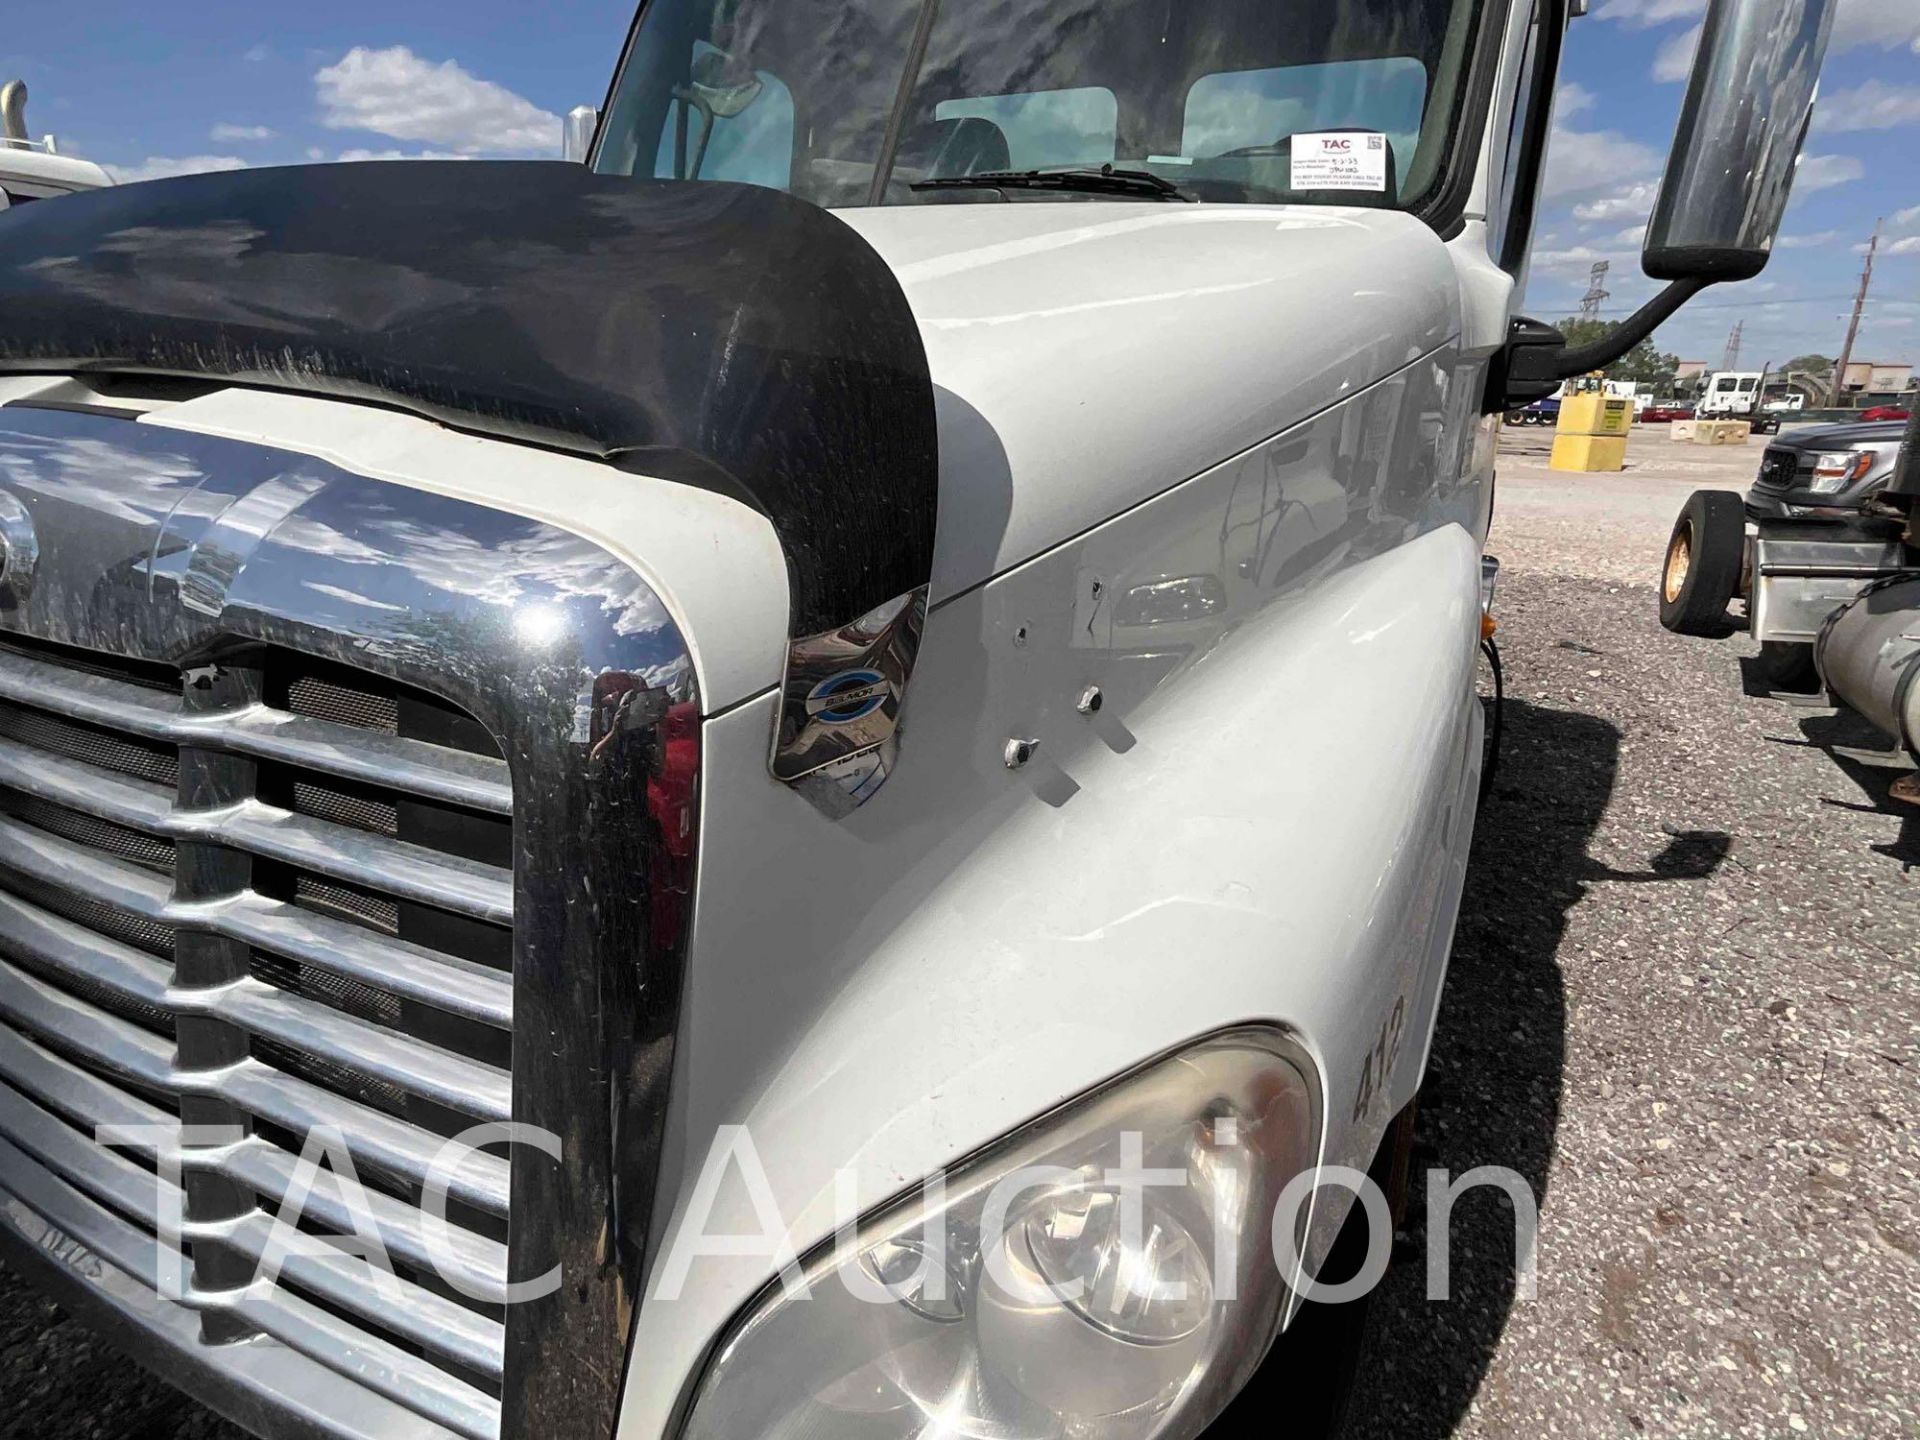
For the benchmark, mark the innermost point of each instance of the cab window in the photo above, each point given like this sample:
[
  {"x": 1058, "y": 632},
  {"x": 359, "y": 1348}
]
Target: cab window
[
  {"x": 727, "y": 123},
  {"x": 1047, "y": 127},
  {"x": 1251, "y": 110}
]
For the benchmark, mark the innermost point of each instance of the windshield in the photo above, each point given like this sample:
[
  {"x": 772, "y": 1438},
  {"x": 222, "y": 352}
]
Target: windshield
[{"x": 858, "y": 102}]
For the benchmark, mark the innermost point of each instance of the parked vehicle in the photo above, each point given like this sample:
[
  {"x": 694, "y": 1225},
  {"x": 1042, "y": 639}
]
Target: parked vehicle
[
  {"x": 35, "y": 169},
  {"x": 1540, "y": 412},
  {"x": 1885, "y": 412},
  {"x": 1735, "y": 395},
  {"x": 1665, "y": 414},
  {"x": 1776, "y": 550},
  {"x": 1831, "y": 590},
  {"x": 867, "y": 691},
  {"x": 1798, "y": 553},
  {"x": 1824, "y": 471}
]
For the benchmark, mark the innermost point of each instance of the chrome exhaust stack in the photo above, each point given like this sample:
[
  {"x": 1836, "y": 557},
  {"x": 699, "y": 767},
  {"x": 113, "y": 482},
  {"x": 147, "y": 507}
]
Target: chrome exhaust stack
[
  {"x": 13, "y": 110},
  {"x": 1868, "y": 651}
]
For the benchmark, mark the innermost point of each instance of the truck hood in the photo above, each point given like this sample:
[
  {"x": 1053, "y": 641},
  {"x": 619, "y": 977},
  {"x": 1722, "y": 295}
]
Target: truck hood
[
  {"x": 1073, "y": 359},
  {"x": 726, "y": 337},
  {"x": 1088, "y": 356},
  {"x": 1838, "y": 437}
]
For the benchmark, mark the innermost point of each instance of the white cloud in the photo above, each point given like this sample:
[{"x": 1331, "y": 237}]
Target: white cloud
[
  {"x": 1674, "y": 59},
  {"x": 1582, "y": 161},
  {"x": 224, "y": 132},
  {"x": 1639, "y": 14},
  {"x": 1572, "y": 98},
  {"x": 314, "y": 152},
  {"x": 1805, "y": 242},
  {"x": 1818, "y": 172},
  {"x": 255, "y": 54},
  {"x": 162, "y": 167},
  {"x": 355, "y": 155},
  {"x": 1888, "y": 24},
  {"x": 1905, "y": 245},
  {"x": 1872, "y": 105},
  {"x": 1631, "y": 200},
  {"x": 1907, "y": 216},
  {"x": 394, "y": 92},
  {"x": 1632, "y": 235},
  {"x": 1577, "y": 257}
]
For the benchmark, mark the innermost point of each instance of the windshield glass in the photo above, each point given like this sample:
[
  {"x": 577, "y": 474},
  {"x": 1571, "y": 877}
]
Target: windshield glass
[{"x": 857, "y": 102}]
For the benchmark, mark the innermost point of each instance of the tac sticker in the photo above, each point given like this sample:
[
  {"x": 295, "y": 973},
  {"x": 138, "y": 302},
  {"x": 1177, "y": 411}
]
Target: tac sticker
[{"x": 1340, "y": 160}]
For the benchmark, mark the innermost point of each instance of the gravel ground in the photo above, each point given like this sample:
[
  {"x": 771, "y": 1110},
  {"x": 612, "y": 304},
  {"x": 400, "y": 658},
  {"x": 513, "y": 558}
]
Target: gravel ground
[{"x": 1684, "y": 1004}]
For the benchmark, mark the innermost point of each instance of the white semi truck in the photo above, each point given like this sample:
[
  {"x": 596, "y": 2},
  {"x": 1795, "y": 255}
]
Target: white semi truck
[
  {"x": 832, "y": 754},
  {"x": 1739, "y": 395}
]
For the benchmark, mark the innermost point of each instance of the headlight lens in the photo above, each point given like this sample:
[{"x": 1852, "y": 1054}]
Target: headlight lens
[
  {"x": 1106, "y": 1274},
  {"x": 1834, "y": 470}
]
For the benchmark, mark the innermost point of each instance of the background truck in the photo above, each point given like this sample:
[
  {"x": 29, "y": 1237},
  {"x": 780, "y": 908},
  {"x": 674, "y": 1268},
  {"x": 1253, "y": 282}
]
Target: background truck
[
  {"x": 775, "y": 741},
  {"x": 1736, "y": 395}
]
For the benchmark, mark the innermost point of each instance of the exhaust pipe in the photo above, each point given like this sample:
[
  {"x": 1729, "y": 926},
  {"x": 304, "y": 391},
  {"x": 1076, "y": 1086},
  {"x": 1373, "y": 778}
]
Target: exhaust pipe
[
  {"x": 1868, "y": 651},
  {"x": 13, "y": 110}
]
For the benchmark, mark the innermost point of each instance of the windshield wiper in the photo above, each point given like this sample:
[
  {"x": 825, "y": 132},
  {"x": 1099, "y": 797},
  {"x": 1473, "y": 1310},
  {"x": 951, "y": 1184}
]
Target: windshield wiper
[{"x": 1104, "y": 181}]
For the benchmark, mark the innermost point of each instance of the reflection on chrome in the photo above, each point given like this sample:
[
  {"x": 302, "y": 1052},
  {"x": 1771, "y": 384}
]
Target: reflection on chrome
[
  {"x": 840, "y": 706},
  {"x": 205, "y": 557}
]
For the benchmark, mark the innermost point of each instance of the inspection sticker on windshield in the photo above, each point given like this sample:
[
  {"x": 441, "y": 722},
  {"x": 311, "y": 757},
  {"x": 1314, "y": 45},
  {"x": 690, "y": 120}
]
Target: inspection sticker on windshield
[{"x": 1340, "y": 160}]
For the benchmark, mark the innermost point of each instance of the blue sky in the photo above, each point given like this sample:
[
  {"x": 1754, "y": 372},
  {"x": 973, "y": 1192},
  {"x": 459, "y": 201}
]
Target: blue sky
[
  {"x": 154, "y": 89},
  {"x": 1621, "y": 85}
]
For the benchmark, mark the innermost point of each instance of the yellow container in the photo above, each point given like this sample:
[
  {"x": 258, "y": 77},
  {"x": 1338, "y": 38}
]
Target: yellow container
[
  {"x": 1595, "y": 414},
  {"x": 1589, "y": 452}
]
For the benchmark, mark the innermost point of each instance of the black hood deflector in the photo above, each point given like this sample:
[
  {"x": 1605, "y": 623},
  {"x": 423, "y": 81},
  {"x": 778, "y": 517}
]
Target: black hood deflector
[{"x": 720, "y": 335}]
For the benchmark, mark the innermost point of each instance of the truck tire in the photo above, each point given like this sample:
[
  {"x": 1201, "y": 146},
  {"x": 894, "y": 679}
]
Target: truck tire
[
  {"x": 1701, "y": 571},
  {"x": 1788, "y": 666}
]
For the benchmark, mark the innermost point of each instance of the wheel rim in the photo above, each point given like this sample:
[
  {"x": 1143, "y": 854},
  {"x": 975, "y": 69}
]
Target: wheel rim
[{"x": 1679, "y": 561}]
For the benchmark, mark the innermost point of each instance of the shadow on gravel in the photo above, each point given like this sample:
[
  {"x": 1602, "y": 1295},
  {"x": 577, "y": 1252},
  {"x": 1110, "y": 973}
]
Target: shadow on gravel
[
  {"x": 1849, "y": 739},
  {"x": 1493, "y": 1091}
]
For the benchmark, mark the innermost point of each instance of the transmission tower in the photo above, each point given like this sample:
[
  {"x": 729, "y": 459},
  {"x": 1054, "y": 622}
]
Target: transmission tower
[
  {"x": 1596, "y": 291},
  {"x": 1732, "y": 360}
]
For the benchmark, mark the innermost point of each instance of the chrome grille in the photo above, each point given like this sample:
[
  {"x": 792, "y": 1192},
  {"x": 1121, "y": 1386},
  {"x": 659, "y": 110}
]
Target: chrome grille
[{"x": 256, "y": 899}]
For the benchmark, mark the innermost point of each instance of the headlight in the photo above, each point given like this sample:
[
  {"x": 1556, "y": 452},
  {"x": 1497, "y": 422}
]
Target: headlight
[
  {"x": 1834, "y": 470},
  {"x": 1106, "y": 1274}
]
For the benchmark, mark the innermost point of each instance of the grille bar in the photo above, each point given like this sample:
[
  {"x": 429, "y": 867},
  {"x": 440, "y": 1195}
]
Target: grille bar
[
  {"x": 300, "y": 1325},
  {"x": 411, "y": 872},
  {"x": 85, "y": 1100},
  {"x": 453, "y": 777},
  {"x": 347, "y": 1281},
  {"x": 82, "y": 956},
  {"x": 444, "y": 982},
  {"x": 378, "y": 1141}
]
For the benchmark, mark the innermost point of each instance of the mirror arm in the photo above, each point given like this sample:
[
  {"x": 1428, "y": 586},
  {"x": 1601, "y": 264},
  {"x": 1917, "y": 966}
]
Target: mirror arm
[
  {"x": 1630, "y": 331},
  {"x": 1535, "y": 359}
]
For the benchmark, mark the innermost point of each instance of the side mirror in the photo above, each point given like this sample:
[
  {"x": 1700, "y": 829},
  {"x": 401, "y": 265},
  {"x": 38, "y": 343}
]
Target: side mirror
[
  {"x": 576, "y": 133},
  {"x": 1748, "y": 102},
  {"x": 1745, "y": 115}
]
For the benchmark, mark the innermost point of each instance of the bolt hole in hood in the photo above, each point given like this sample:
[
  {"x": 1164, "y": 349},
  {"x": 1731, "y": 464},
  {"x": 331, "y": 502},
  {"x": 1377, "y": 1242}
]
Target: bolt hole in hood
[{"x": 1024, "y": 371}]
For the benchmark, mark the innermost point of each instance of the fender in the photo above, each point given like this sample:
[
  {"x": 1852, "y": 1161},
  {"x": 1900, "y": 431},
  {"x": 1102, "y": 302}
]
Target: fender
[{"x": 1304, "y": 754}]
